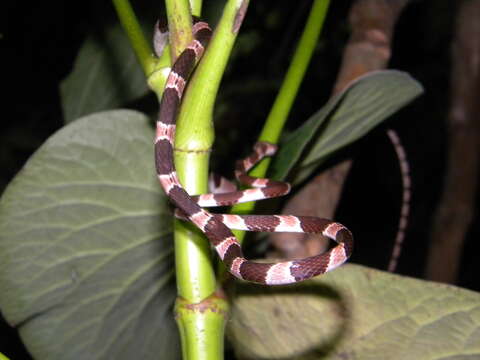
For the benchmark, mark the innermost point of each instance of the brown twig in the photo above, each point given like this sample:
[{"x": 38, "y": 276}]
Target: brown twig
[
  {"x": 368, "y": 49},
  {"x": 454, "y": 213}
]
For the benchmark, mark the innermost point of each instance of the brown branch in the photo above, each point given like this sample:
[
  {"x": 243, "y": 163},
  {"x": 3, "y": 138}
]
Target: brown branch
[
  {"x": 368, "y": 49},
  {"x": 454, "y": 213},
  {"x": 372, "y": 23}
]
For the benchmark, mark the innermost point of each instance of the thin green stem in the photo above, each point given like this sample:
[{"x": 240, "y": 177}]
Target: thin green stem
[
  {"x": 201, "y": 330},
  {"x": 296, "y": 72},
  {"x": 194, "y": 139},
  {"x": 141, "y": 46},
  {"x": 195, "y": 276},
  {"x": 179, "y": 25},
  {"x": 180, "y": 30},
  {"x": 196, "y": 6},
  {"x": 193, "y": 262},
  {"x": 202, "y": 327},
  {"x": 288, "y": 91}
]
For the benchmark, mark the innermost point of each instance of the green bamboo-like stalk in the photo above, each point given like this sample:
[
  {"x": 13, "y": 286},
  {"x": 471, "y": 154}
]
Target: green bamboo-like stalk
[
  {"x": 194, "y": 125},
  {"x": 199, "y": 313},
  {"x": 283, "y": 103},
  {"x": 196, "y": 6},
  {"x": 201, "y": 324},
  {"x": 195, "y": 276},
  {"x": 201, "y": 327},
  {"x": 158, "y": 77},
  {"x": 179, "y": 25},
  {"x": 141, "y": 46},
  {"x": 156, "y": 70}
]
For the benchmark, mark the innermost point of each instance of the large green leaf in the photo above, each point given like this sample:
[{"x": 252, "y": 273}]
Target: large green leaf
[
  {"x": 356, "y": 313},
  {"x": 106, "y": 75},
  {"x": 344, "y": 119},
  {"x": 86, "y": 268}
]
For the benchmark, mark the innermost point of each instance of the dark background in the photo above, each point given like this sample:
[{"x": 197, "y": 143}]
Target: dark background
[{"x": 40, "y": 41}]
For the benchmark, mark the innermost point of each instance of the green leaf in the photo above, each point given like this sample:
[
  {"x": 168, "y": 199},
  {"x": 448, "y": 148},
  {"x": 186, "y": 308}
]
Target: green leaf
[
  {"x": 344, "y": 119},
  {"x": 86, "y": 268},
  {"x": 106, "y": 75},
  {"x": 356, "y": 313}
]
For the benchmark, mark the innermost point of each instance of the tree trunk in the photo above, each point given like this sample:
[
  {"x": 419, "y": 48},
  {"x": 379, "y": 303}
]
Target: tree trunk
[{"x": 454, "y": 213}]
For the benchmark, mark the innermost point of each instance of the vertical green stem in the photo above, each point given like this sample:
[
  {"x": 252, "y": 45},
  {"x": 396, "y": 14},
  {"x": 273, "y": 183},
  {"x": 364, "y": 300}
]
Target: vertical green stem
[
  {"x": 288, "y": 91},
  {"x": 193, "y": 143},
  {"x": 200, "y": 314},
  {"x": 142, "y": 48},
  {"x": 195, "y": 275},
  {"x": 201, "y": 327},
  {"x": 283, "y": 103},
  {"x": 179, "y": 25},
  {"x": 196, "y": 6}
]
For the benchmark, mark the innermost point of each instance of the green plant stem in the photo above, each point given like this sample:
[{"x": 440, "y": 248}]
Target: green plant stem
[
  {"x": 195, "y": 276},
  {"x": 179, "y": 25},
  {"x": 288, "y": 91},
  {"x": 180, "y": 29},
  {"x": 140, "y": 45},
  {"x": 201, "y": 330},
  {"x": 202, "y": 327},
  {"x": 296, "y": 72},
  {"x": 195, "y": 136},
  {"x": 196, "y": 6}
]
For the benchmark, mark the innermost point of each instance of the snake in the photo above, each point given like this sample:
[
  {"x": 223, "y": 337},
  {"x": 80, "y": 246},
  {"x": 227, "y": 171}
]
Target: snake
[{"x": 218, "y": 227}]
